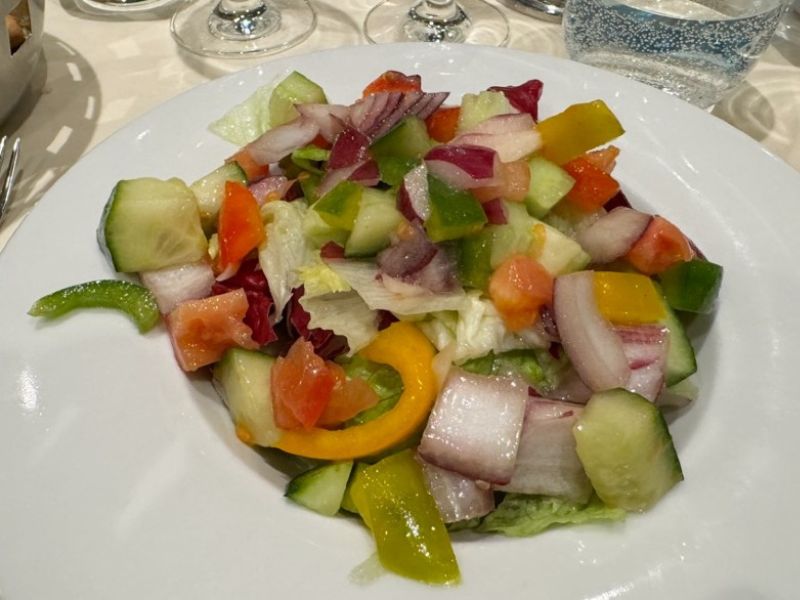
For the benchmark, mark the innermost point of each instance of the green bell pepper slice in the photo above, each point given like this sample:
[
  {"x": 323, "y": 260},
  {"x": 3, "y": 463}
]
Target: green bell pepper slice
[{"x": 136, "y": 301}]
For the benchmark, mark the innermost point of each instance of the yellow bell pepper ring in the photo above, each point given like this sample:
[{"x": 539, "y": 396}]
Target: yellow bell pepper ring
[{"x": 405, "y": 348}]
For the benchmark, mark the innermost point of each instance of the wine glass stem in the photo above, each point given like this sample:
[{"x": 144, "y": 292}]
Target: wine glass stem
[
  {"x": 234, "y": 7},
  {"x": 437, "y": 11}
]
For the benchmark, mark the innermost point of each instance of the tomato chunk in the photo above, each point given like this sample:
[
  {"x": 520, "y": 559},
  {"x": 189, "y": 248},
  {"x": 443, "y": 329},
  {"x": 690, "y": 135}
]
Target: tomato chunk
[
  {"x": 252, "y": 170},
  {"x": 348, "y": 398},
  {"x": 302, "y": 383},
  {"x": 661, "y": 246},
  {"x": 201, "y": 330},
  {"x": 604, "y": 159},
  {"x": 515, "y": 179},
  {"x": 593, "y": 186},
  {"x": 519, "y": 288},
  {"x": 442, "y": 124},
  {"x": 393, "y": 81},
  {"x": 240, "y": 226}
]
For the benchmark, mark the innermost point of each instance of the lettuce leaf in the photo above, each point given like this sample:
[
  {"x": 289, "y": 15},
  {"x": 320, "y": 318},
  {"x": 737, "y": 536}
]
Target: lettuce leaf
[
  {"x": 345, "y": 314},
  {"x": 520, "y": 515},
  {"x": 386, "y": 382},
  {"x": 476, "y": 329},
  {"x": 534, "y": 365},
  {"x": 248, "y": 120}
]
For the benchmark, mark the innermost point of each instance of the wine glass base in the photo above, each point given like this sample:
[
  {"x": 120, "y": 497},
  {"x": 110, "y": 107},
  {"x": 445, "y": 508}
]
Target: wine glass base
[
  {"x": 474, "y": 22},
  {"x": 201, "y": 28}
]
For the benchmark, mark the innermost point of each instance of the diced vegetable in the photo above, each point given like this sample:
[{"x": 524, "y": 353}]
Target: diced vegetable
[
  {"x": 134, "y": 300},
  {"x": 376, "y": 219},
  {"x": 393, "y": 81},
  {"x": 321, "y": 489},
  {"x": 443, "y": 123},
  {"x": 627, "y": 298},
  {"x": 519, "y": 288},
  {"x": 661, "y": 246},
  {"x": 408, "y": 140},
  {"x": 210, "y": 190},
  {"x": 454, "y": 213},
  {"x": 692, "y": 286},
  {"x": 593, "y": 187},
  {"x": 549, "y": 183},
  {"x": 339, "y": 207},
  {"x": 410, "y": 536},
  {"x": 240, "y": 229},
  {"x": 579, "y": 128},
  {"x": 294, "y": 89}
]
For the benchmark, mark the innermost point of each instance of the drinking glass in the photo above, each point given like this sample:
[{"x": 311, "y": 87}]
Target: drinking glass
[
  {"x": 242, "y": 28},
  {"x": 468, "y": 21},
  {"x": 697, "y": 50}
]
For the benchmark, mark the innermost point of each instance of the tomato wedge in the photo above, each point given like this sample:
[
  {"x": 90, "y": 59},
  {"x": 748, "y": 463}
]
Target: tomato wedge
[
  {"x": 393, "y": 81},
  {"x": 442, "y": 124},
  {"x": 661, "y": 246},
  {"x": 240, "y": 227},
  {"x": 519, "y": 287},
  {"x": 201, "y": 330},
  {"x": 252, "y": 170},
  {"x": 348, "y": 398},
  {"x": 301, "y": 384}
]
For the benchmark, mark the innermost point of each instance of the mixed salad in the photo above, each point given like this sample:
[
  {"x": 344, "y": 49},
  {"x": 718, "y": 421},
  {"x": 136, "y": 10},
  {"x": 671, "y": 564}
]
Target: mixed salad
[{"x": 450, "y": 309}]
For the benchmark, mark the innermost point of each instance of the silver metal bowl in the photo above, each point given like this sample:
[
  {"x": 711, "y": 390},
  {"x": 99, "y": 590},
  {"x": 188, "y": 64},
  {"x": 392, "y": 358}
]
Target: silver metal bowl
[{"x": 17, "y": 69}]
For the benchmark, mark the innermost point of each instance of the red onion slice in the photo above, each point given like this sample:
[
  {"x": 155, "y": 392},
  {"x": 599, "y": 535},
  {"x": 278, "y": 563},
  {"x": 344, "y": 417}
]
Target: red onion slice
[
  {"x": 547, "y": 462},
  {"x": 350, "y": 148},
  {"x": 273, "y": 187},
  {"x": 457, "y": 497},
  {"x": 413, "y": 200},
  {"x": 330, "y": 118},
  {"x": 613, "y": 234},
  {"x": 378, "y": 113},
  {"x": 463, "y": 166},
  {"x": 279, "y": 141},
  {"x": 475, "y": 425},
  {"x": 509, "y": 146},
  {"x": 366, "y": 173},
  {"x": 590, "y": 343},
  {"x": 174, "y": 285},
  {"x": 645, "y": 347},
  {"x": 495, "y": 212}
]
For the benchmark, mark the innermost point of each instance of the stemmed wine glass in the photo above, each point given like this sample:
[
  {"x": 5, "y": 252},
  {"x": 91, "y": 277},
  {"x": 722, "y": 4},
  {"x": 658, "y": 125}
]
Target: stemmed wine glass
[
  {"x": 468, "y": 21},
  {"x": 242, "y": 28}
]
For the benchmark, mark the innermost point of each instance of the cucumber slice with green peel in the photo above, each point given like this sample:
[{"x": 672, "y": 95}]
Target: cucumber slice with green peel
[
  {"x": 681, "y": 360},
  {"x": 347, "y": 501},
  {"x": 476, "y": 108},
  {"x": 626, "y": 450},
  {"x": 321, "y": 489},
  {"x": 243, "y": 378},
  {"x": 377, "y": 218},
  {"x": 549, "y": 184},
  {"x": 150, "y": 224},
  {"x": 294, "y": 89},
  {"x": 692, "y": 286},
  {"x": 409, "y": 140},
  {"x": 210, "y": 190}
]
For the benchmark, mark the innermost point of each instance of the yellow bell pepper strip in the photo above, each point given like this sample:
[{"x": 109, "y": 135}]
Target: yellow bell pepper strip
[
  {"x": 628, "y": 298},
  {"x": 579, "y": 128},
  {"x": 134, "y": 300},
  {"x": 412, "y": 540},
  {"x": 405, "y": 348}
]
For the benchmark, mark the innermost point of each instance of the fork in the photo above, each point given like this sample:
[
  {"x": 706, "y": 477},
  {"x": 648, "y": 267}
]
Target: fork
[{"x": 7, "y": 181}]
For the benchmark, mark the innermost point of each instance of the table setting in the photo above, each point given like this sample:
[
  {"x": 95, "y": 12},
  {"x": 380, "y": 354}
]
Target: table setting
[{"x": 122, "y": 473}]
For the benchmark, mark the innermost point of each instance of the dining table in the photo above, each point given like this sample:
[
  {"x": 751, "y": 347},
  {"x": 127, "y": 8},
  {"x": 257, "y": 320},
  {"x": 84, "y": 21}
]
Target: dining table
[{"x": 100, "y": 72}]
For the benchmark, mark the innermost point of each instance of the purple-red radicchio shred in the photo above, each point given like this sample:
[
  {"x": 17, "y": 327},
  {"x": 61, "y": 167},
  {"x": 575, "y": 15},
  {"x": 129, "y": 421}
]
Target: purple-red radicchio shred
[
  {"x": 326, "y": 344},
  {"x": 251, "y": 279},
  {"x": 524, "y": 97}
]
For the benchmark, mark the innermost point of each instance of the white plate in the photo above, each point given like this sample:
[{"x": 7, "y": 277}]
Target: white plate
[{"x": 121, "y": 478}]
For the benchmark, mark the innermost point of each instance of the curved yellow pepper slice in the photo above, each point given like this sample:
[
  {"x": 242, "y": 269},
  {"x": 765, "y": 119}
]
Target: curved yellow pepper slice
[{"x": 404, "y": 347}]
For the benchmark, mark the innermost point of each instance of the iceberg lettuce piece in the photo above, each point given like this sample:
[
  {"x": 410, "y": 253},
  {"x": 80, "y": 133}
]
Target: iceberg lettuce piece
[
  {"x": 285, "y": 251},
  {"x": 319, "y": 279},
  {"x": 476, "y": 329},
  {"x": 345, "y": 314},
  {"x": 535, "y": 365},
  {"x": 248, "y": 120},
  {"x": 520, "y": 515}
]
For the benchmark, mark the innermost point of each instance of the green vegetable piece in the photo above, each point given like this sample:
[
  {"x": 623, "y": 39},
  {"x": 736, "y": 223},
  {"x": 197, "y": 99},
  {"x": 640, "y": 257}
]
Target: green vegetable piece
[
  {"x": 377, "y": 218},
  {"x": 412, "y": 541},
  {"x": 549, "y": 184},
  {"x": 692, "y": 286},
  {"x": 347, "y": 500},
  {"x": 537, "y": 367},
  {"x": 681, "y": 360},
  {"x": 321, "y": 489},
  {"x": 520, "y": 515},
  {"x": 294, "y": 89},
  {"x": 134, "y": 300},
  {"x": 454, "y": 213},
  {"x": 409, "y": 140},
  {"x": 306, "y": 158},
  {"x": 339, "y": 207},
  {"x": 393, "y": 169},
  {"x": 476, "y": 108},
  {"x": 475, "y": 260},
  {"x": 626, "y": 449},
  {"x": 383, "y": 379}
]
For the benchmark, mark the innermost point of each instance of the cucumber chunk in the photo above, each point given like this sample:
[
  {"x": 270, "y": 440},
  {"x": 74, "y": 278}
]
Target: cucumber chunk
[
  {"x": 243, "y": 377},
  {"x": 321, "y": 489},
  {"x": 210, "y": 189},
  {"x": 692, "y": 286},
  {"x": 408, "y": 140},
  {"x": 377, "y": 218},
  {"x": 294, "y": 89},
  {"x": 681, "y": 361},
  {"x": 339, "y": 207},
  {"x": 150, "y": 224},
  {"x": 454, "y": 213},
  {"x": 626, "y": 449},
  {"x": 549, "y": 184},
  {"x": 476, "y": 108}
]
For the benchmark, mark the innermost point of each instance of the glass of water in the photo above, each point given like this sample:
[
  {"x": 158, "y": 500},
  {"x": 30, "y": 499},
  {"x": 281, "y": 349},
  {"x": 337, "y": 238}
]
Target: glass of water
[{"x": 698, "y": 50}]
